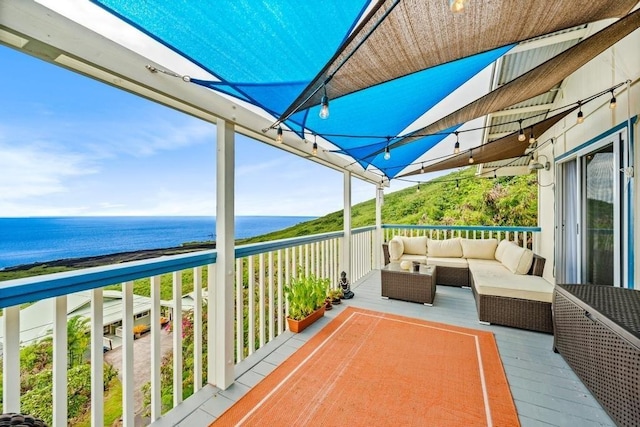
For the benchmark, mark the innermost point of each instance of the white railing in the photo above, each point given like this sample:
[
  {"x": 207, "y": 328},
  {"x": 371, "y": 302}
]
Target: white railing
[{"x": 262, "y": 272}]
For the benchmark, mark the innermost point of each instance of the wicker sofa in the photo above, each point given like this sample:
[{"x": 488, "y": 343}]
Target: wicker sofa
[{"x": 506, "y": 279}]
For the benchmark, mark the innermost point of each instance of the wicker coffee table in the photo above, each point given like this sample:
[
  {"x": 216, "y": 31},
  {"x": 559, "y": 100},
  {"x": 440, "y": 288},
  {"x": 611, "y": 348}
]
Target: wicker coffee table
[{"x": 401, "y": 284}]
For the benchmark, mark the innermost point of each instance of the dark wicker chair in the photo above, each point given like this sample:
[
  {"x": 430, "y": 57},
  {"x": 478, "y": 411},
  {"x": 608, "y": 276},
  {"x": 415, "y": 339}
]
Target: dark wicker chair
[{"x": 13, "y": 419}]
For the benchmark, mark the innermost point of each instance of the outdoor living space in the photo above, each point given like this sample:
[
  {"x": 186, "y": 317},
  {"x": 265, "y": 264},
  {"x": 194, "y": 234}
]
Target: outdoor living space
[{"x": 544, "y": 388}]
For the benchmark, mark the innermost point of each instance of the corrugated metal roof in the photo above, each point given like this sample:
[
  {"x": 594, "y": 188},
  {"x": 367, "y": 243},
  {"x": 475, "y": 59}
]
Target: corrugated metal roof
[{"x": 516, "y": 64}]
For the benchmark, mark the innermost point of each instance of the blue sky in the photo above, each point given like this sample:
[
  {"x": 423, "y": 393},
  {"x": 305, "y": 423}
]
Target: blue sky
[{"x": 70, "y": 145}]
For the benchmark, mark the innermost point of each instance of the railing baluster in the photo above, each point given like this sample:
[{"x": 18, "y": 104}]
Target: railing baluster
[
  {"x": 60, "y": 360},
  {"x": 261, "y": 301},
  {"x": 128, "y": 384},
  {"x": 251, "y": 318},
  {"x": 306, "y": 259},
  {"x": 156, "y": 352},
  {"x": 177, "y": 338},
  {"x": 97, "y": 358},
  {"x": 197, "y": 329},
  {"x": 11, "y": 360},
  {"x": 239, "y": 312},
  {"x": 280, "y": 292},
  {"x": 287, "y": 278},
  {"x": 272, "y": 296}
]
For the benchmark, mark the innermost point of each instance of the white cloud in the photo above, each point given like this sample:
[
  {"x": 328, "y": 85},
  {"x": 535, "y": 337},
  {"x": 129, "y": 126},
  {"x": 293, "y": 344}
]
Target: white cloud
[{"x": 38, "y": 169}]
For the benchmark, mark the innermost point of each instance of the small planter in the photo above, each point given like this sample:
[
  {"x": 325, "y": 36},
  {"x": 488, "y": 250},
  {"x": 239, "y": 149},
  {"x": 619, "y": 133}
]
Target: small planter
[{"x": 300, "y": 325}]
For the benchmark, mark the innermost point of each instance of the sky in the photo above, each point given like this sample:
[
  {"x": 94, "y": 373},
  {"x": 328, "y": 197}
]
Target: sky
[{"x": 72, "y": 146}]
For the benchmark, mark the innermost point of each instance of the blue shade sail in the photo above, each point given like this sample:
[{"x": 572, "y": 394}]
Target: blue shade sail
[
  {"x": 387, "y": 109},
  {"x": 265, "y": 51}
]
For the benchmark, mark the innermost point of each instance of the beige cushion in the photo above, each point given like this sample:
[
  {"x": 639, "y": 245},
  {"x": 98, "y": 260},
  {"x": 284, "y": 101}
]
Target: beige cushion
[
  {"x": 517, "y": 259},
  {"x": 502, "y": 246},
  {"x": 410, "y": 257},
  {"x": 449, "y": 248},
  {"x": 496, "y": 280},
  {"x": 415, "y": 245},
  {"x": 479, "y": 248},
  {"x": 484, "y": 262},
  {"x": 448, "y": 262},
  {"x": 396, "y": 248}
]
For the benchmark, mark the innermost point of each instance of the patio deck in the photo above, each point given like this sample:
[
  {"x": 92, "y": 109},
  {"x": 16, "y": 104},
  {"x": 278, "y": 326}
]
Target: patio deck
[{"x": 545, "y": 389}]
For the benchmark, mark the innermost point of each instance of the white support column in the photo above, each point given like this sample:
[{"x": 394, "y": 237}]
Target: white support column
[
  {"x": 11, "y": 360},
  {"x": 225, "y": 245},
  {"x": 60, "y": 361},
  {"x": 156, "y": 353},
  {"x": 346, "y": 240},
  {"x": 378, "y": 238},
  {"x": 128, "y": 384},
  {"x": 97, "y": 358}
]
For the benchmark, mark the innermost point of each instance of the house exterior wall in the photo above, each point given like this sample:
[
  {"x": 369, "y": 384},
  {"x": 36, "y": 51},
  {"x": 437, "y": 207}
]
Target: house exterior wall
[{"x": 617, "y": 64}]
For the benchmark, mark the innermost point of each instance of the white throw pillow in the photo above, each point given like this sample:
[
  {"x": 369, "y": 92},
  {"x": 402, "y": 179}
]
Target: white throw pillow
[
  {"x": 449, "y": 248},
  {"x": 479, "y": 248},
  {"x": 415, "y": 245},
  {"x": 396, "y": 248},
  {"x": 517, "y": 259},
  {"x": 502, "y": 246}
]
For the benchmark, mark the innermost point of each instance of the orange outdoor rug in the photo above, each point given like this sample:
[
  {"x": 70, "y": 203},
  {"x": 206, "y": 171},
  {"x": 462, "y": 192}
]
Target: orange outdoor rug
[{"x": 367, "y": 368}]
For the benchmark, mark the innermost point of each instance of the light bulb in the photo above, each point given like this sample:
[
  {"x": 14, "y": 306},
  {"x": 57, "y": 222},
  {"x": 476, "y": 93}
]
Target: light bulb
[
  {"x": 422, "y": 168},
  {"x": 457, "y": 6},
  {"x": 324, "y": 106},
  {"x": 532, "y": 139},
  {"x": 470, "y": 157},
  {"x": 279, "y": 137},
  {"x": 613, "y": 102},
  {"x": 387, "y": 153},
  {"x": 456, "y": 148},
  {"x": 314, "y": 150},
  {"x": 457, "y": 185},
  {"x": 521, "y": 136},
  {"x": 580, "y": 117},
  {"x": 418, "y": 189}
]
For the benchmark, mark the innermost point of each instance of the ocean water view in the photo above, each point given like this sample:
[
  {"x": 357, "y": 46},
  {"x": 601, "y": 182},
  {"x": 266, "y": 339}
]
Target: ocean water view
[{"x": 29, "y": 240}]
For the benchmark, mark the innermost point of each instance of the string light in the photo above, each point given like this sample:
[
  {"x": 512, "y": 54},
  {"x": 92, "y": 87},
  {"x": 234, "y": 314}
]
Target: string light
[
  {"x": 457, "y": 185},
  {"x": 457, "y": 6},
  {"x": 521, "y": 136},
  {"x": 418, "y": 189},
  {"x": 279, "y": 138},
  {"x": 532, "y": 138},
  {"x": 456, "y": 147},
  {"x": 324, "y": 105},
  {"x": 471, "y": 156},
  {"x": 580, "y": 114},
  {"x": 613, "y": 102},
  {"x": 422, "y": 168},
  {"x": 387, "y": 152},
  {"x": 314, "y": 150}
]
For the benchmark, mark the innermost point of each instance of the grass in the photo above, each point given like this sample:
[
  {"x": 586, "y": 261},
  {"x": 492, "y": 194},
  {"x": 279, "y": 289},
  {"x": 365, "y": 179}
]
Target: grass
[{"x": 112, "y": 406}]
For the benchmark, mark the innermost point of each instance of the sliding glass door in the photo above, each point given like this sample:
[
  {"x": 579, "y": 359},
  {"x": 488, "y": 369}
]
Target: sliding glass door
[
  {"x": 593, "y": 215},
  {"x": 599, "y": 216}
]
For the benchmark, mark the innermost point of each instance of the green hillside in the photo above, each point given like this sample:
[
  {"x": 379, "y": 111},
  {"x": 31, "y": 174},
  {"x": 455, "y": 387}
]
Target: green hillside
[{"x": 458, "y": 198}]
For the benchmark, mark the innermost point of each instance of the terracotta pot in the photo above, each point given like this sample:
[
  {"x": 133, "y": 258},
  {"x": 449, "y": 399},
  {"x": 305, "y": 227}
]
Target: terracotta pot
[{"x": 301, "y": 325}]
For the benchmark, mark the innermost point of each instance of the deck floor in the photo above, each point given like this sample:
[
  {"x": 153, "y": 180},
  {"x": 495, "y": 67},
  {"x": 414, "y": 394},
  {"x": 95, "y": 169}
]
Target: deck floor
[{"x": 545, "y": 390}]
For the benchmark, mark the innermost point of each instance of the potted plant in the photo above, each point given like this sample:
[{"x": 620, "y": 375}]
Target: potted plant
[
  {"x": 335, "y": 295},
  {"x": 306, "y": 296}
]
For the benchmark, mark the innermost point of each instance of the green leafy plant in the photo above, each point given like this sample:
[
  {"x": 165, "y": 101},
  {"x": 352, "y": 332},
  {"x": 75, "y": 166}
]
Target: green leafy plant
[
  {"x": 305, "y": 294},
  {"x": 335, "y": 293}
]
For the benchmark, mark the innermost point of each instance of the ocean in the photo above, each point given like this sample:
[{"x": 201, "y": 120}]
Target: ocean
[{"x": 29, "y": 240}]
